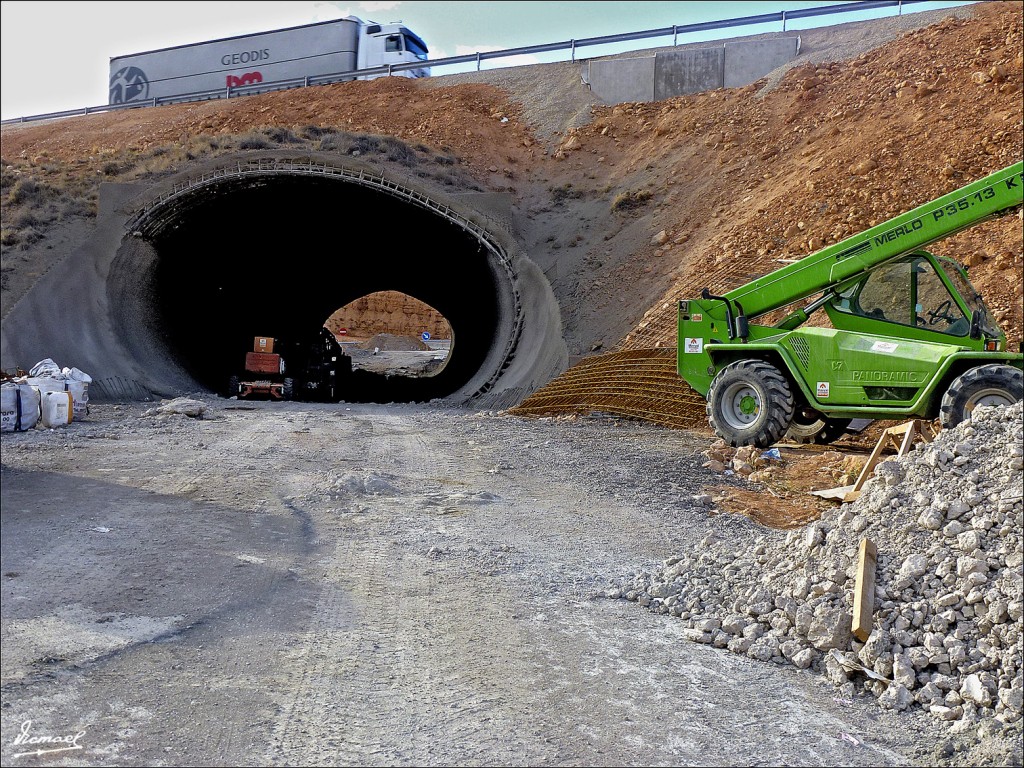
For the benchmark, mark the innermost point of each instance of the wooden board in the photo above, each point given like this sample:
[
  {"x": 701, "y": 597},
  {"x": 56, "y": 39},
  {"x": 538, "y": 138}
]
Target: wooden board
[
  {"x": 864, "y": 590},
  {"x": 912, "y": 432}
]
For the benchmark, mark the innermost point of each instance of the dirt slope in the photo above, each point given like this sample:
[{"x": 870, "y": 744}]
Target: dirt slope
[{"x": 644, "y": 203}]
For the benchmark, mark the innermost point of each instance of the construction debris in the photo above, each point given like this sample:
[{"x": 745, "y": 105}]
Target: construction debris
[
  {"x": 911, "y": 433},
  {"x": 183, "y": 406},
  {"x": 947, "y": 521}
]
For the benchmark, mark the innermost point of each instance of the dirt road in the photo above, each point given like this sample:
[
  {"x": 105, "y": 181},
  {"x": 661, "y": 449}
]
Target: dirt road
[{"x": 301, "y": 584}]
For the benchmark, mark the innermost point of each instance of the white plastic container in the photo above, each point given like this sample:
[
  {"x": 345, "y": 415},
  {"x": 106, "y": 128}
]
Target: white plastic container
[
  {"x": 57, "y": 409},
  {"x": 19, "y": 407}
]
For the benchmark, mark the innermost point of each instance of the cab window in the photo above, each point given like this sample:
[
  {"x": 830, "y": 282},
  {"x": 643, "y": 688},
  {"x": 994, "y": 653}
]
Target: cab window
[
  {"x": 415, "y": 47},
  {"x": 393, "y": 43},
  {"x": 907, "y": 292}
]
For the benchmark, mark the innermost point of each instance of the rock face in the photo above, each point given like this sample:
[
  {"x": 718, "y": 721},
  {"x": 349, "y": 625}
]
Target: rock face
[
  {"x": 949, "y": 592},
  {"x": 390, "y": 312}
]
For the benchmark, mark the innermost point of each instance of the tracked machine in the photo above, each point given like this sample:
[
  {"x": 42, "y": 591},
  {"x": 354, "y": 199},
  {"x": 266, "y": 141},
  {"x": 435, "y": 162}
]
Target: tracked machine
[{"x": 909, "y": 336}]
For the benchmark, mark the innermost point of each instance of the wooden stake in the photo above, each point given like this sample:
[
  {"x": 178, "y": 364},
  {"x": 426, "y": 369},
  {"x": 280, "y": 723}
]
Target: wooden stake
[
  {"x": 912, "y": 431},
  {"x": 864, "y": 590}
]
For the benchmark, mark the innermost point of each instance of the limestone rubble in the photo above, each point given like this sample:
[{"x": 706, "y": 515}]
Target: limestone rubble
[{"x": 947, "y": 522}]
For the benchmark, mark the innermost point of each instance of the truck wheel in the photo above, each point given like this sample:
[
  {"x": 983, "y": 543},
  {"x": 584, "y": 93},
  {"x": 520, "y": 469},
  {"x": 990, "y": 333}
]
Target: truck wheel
[
  {"x": 807, "y": 429},
  {"x": 232, "y": 390},
  {"x": 288, "y": 389},
  {"x": 750, "y": 403},
  {"x": 992, "y": 384}
]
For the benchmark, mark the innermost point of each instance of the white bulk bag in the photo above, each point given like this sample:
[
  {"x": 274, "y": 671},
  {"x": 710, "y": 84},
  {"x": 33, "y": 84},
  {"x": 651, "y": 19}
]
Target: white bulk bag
[
  {"x": 80, "y": 396},
  {"x": 45, "y": 368},
  {"x": 45, "y": 384},
  {"x": 77, "y": 375},
  {"x": 19, "y": 407}
]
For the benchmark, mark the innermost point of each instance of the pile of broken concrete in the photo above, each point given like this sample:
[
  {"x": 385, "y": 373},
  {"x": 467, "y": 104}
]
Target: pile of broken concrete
[{"x": 947, "y": 632}]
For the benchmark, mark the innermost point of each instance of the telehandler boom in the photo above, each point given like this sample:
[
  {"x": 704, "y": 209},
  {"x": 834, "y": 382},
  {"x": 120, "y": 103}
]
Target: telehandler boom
[{"x": 909, "y": 335}]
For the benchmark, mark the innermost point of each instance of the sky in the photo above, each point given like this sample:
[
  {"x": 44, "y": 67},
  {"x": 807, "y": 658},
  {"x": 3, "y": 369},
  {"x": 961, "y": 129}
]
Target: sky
[{"x": 55, "y": 56}]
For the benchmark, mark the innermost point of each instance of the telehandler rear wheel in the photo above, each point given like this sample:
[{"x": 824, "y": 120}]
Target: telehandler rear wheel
[
  {"x": 992, "y": 384},
  {"x": 806, "y": 428},
  {"x": 750, "y": 403}
]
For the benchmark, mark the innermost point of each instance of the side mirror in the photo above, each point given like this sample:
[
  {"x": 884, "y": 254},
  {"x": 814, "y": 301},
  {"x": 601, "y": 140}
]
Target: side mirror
[{"x": 976, "y": 317}]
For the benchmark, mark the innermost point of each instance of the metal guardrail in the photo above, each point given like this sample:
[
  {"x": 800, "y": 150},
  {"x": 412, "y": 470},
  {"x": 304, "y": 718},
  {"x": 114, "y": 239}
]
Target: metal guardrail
[{"x": 565, "y": 45}]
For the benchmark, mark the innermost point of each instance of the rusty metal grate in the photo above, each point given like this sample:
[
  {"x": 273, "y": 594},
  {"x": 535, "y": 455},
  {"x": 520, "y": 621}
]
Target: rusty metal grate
[{"x": 638, "y": 383}]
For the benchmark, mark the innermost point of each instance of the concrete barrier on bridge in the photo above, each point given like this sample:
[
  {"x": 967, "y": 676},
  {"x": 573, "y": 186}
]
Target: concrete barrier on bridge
[
  {"x": 749, "y": 61},
  {"x": 677, "y": 73},
  {"x": 617, "y": 80},
  {"x": 680, "y": 72}
]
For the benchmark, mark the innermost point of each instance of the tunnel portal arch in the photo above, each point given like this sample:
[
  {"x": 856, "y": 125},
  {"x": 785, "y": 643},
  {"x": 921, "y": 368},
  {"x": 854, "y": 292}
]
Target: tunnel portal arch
[{"x": 196, "y": 259}]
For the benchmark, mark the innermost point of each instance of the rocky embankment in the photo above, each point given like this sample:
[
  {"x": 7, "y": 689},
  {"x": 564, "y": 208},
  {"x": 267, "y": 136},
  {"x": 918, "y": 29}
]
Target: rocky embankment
[{"x": 947, "y": 523}]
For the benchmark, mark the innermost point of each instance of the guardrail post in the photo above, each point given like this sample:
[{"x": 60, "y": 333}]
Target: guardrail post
[
  {"x": 675, "y": 35},
  {"x": 573, "y": 50},
  {"x": 478, "y": 61},
  {"x": 900, "y": 7},
  {"x": 783, "y": 21}
]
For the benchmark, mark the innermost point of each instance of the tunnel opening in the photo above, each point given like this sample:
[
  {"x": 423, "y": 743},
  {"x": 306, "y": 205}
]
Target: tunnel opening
[
  {"x": 393, "y": 334},
  {"x": 274, "y": 256}
]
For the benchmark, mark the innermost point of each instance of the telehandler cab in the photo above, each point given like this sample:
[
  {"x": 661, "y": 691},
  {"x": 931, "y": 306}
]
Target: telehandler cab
[{"x": 909, "y": 335}]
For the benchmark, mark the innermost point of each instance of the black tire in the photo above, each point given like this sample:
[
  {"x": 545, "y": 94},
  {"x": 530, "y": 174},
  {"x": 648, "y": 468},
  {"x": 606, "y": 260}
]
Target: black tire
[
  {"x": 288, "y": 389},
  {"x": 992, "y": 384},
  {"x": 750, "y": 402},
  {"x": 806, "y": 428},
  {"x": 233, "y": 386}
]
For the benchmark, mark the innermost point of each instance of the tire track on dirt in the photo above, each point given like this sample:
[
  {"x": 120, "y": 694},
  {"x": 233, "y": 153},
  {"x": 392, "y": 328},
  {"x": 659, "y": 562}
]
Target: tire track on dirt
[{"x": 397, "y": 666}]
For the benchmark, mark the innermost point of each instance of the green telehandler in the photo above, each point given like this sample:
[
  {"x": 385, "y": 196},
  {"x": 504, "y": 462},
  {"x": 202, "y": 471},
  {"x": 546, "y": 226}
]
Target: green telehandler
[{"x": 909, "y": 337}]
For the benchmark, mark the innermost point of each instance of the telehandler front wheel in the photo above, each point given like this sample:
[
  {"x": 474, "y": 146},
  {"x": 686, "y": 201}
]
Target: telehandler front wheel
[
  {"x": 750, "y": 403},
  {"x": 992, "y": 384}
]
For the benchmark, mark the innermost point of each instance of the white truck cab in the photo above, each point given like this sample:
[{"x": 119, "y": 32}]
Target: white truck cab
[{"x": 384, "y": 44}]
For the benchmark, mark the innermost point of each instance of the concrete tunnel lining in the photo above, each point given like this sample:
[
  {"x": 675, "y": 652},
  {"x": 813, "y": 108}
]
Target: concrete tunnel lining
[{"x": 180, "y": 244}]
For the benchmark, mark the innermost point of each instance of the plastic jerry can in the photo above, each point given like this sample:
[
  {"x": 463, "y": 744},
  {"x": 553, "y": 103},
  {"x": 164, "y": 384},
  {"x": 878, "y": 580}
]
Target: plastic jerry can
[{"x": 58, "y": 409}]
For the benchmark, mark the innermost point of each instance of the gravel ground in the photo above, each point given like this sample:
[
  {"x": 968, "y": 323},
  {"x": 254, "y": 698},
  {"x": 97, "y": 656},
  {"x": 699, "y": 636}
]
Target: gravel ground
[{"x": 409, "y": 585}]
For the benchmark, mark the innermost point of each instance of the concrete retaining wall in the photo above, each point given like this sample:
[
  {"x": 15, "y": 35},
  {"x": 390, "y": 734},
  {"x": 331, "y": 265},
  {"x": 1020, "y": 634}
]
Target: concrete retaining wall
[{"x": 677, "y": 73}]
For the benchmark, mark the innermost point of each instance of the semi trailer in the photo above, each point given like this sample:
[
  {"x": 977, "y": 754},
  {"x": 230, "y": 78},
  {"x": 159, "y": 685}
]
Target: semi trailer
[
  {"x": 265, "y": 61},
  {"x": 905, "y": 334}
]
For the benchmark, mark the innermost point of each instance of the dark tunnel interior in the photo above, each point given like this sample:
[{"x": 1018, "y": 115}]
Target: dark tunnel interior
[{"x": 276, "y": 257}]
